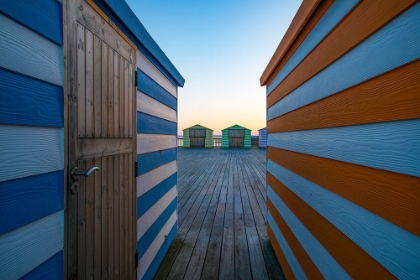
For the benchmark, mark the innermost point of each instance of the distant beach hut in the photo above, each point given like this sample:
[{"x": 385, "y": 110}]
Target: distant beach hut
[
  {"x": 262, "y": 135},
  {"x": 236, "y": 137},
  {"x": 198, "y": 136}
]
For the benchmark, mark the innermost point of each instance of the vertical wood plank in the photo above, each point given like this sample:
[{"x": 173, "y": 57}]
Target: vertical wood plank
[
  {"x": 104, "y": 90},
  {"x": 81, "y": 80},
  {"x": 132, "y": 219},
  {"x": 105, "y": 217},
  {"x": 116, "y": 95},
  {"x": 98, "y": 219},
  {"x": 122, "y": 96},
  {"x": 121, "y": 203},
  {"x": 110, "y": 203},
  {"x": 97, "y": 85},
  {"x": 89, "y": 246},
  {"x": 127, "y": 98},
  {"x": 116, "y": 227},
  {"x": 110, "y": 90},
  {"x": 131, "y": 93},
  {"x": 81, "y": 195},
  {"x": 89, "y": 85},
  {"x": 126, "y": 216}
]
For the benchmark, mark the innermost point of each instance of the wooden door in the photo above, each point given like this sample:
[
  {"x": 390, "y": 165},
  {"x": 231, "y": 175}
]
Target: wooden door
[
  {"x": 101, "y": 220},
  {"x": 236, "y": 137},
  {"x": 197, "y": 137}
]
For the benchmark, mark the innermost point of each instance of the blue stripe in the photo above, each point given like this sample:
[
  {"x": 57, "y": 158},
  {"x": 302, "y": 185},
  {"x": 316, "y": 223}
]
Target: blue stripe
[
  {"x": 392, "y": 146},
  {"x": 151, "y": 271},
  {"x": 393, "y": 247},
  {"x": 288, "y": 253},
  {"x": 51, "y": 269},
  {"x": 148, "y": 86},
  {"x": 394, "y": 45},
  {"x": 150, "y": 198},
  {"x": 26, "y": 101},
  {"x": 23, "y": 201},
  {"x": 331, "y": 18},
  {"x": 150, "y": 161},
  {"x": 326, "y": 264},
  {"x": 144, "y": 243},
  {"x": 154, "y": 125},
  {"x": 43, "y": 17}
]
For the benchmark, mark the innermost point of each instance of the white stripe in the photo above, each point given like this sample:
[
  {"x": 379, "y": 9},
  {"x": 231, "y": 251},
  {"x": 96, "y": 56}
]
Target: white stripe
[
  {"x": 27, "y": 247},
  {"x": 151, "y": 106},
  {"x": 27, "y": 151},
  {"x": 148, "y": 180},
  {"x": 147, "y": 143},
  {"x": 26, "y": 52},
  {"x": 150, "y": 254},
  {"x": 147, "y": 67},
  {"x": 146, "y": 221}
]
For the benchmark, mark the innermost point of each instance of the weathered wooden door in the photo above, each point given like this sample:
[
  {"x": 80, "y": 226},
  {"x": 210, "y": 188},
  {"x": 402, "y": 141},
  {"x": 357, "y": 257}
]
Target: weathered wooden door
[
  {"x": 236, "y": 137},
  {"x": 101, "y": 218},
  {"x": 197, "y": 137}
]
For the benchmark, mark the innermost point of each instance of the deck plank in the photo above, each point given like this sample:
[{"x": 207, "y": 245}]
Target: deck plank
[{"x": 221, "y": 216}]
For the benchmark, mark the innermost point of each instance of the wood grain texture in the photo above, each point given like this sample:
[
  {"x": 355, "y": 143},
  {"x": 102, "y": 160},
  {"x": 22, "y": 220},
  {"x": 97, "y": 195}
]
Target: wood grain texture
[
  {"x": 44, "y": 17},
  {"x": 148, "y": 86},
  {"x": 392, "y": 96},
  {"x": 391, "y": 146},
  {"x": 27, "y": 101},
  {"x": 287, "y": 251},
  {"x": 27, "y": 247},
  {"x": 150, "y": 70},
  {"x": 88, "y": 111},
  {"x": 148, "y": 180},
  {"x": 335, "y": 13},
  {"x": 301, "y": 18},
  {"x": 322, "y": 259},
  {"x": 93, "y": 148},
  {"x": 147, "y": 143},
  {"x": 366, "y": 19},
  {"x": 25, "y": 200},
  {"x": 50, "y": 269},
  {"x": 357, "y": 230},
  {"x": 30, "y": 151},
  {"x": 154, "y": 125},
  {"x": 30, "y": 54},
  {"x": 279, "y": 253},
  {"x": 392, "y": 196},
  {"x": 302, "y": 256},
  {"x": 151, "y": 106}
]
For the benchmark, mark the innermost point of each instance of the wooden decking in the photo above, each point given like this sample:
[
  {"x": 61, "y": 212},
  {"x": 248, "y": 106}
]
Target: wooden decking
[{"x": 221, "y": 218}]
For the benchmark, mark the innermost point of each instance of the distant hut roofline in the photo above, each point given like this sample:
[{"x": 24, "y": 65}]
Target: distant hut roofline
[{"x": 197, "y": 125}]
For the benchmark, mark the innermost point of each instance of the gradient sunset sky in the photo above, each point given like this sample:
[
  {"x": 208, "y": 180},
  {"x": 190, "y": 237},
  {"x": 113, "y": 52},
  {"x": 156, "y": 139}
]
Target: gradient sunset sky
[{"x": 221, "y": 48}]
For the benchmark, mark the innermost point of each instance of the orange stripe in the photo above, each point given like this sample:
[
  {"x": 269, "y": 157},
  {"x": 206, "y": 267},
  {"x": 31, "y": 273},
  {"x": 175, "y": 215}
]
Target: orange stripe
[
  {"x": 389, "y": 97},
  {"x": 303, "y": 14},
  {"x": 366, "y": 19},
  {"x": 316, "y": 16},
  {"x": 356, "y": 262},
  {"x": 304, "y": 260},
  {"x": 392, "y": 196},
  {"x": 279, "y": 253}
]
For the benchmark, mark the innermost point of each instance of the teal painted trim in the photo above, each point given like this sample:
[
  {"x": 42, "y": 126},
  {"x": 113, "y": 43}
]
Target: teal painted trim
[
  {"x": 26, "y": 248},
  {"x": 322, "y": 259},
  {"x": 393, "y": 247},
  {"x": 337, "y": 11},
  {"x": 287, "y": 251},
  {"x": 392, "y": 146},
  {"x": 378, "y": 54}
]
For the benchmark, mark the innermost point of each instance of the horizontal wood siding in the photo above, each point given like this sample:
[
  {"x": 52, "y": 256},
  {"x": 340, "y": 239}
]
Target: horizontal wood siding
[
  {"x": 209, "y": 139},
  {"x": 343, "y": 143},
  {"x": 31, "y": 140},
  {"x": 157, "y": 167},
  {"x": 262, "y": 138},
  {"x": 237, "y": 136}
]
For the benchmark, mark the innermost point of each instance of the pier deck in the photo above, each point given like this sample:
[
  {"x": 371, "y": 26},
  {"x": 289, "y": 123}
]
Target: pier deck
[{"x": 221, "y": 218}]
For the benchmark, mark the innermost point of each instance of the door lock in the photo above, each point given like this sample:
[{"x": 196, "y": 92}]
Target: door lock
[{"x": 75, "y": 172}]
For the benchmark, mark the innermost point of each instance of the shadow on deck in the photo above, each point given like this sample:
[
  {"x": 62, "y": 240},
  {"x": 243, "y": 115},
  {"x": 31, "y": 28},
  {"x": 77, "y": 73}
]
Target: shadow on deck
[{"x": 221, "y": 218}]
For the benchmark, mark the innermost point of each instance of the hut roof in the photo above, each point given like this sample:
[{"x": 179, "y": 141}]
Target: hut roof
[
  {"x": 197, "y": 126},
  {"x": 262, "y": 128},
  {"x": 236, "y": 126}
]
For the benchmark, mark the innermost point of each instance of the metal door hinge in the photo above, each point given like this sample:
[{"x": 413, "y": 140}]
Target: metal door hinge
[
  {"x": 136, "y": 169},
  {"x": 136, "y": 256},
  {"x": 136, "y": 78}
]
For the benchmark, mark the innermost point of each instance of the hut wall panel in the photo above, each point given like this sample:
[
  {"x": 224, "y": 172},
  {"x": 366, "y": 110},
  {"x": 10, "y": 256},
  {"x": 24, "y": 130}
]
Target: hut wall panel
[
  {"x": 156, "y": 157},
  {"x": 31, "y": 139},
  {"x": 355, "y": 234},
  {"x": 262, "y": 138},
  {"x": 247, "y": 139},
  {"x": 209, "y": 139},
  {"x": 186, "y": 139}
]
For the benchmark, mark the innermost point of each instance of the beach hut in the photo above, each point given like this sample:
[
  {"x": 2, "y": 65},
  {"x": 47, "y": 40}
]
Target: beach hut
[
  {"x": 236, "y": 136},
  {"x": 262, "y": 137},
  {"x": 198, "y": 136},
  {"x": 343, "y": 150},
  {"x": 88, "y": 119}
]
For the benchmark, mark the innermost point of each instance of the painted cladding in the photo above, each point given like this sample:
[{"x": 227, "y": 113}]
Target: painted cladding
[
  {"x": 208, "y": 142},
  {"x": 225, "y": 136},
  {"x": 343, "y": 118},
  {"x": 262, "y": 138},
  {"x": 157, "y": 168},
  {"x": 31, "y": 140}
]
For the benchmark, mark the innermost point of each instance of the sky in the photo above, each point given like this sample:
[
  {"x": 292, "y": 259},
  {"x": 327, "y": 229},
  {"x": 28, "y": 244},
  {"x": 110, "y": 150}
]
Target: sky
[{"x": 221, "y": 48}]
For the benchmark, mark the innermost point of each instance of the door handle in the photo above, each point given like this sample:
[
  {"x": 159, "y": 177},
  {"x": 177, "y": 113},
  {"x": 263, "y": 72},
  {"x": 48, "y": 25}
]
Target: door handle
[{"x": 75, "y": 172}]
